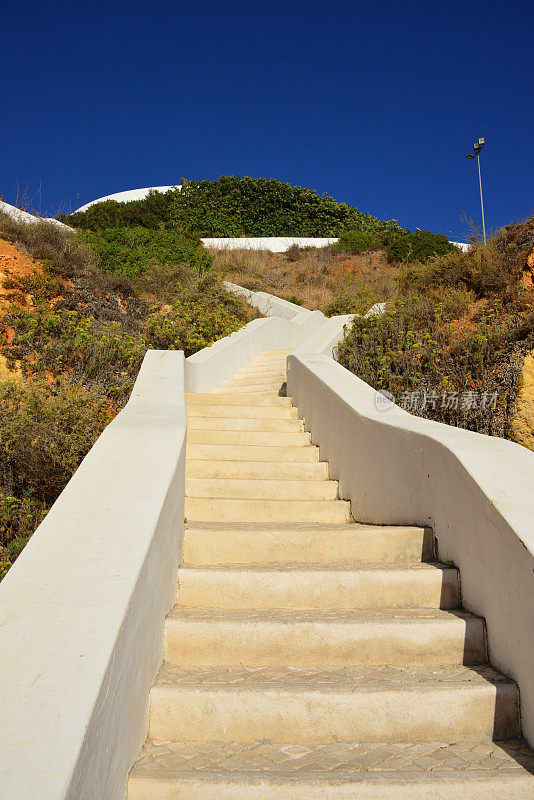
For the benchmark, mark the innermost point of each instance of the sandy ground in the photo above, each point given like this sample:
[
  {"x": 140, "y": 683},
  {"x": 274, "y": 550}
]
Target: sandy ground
[{"x": 13, "y": 263}]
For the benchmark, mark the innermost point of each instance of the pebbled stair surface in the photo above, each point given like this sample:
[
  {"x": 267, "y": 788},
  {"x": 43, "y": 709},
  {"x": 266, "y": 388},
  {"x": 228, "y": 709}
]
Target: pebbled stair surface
[{"x": 310, "y": 657}]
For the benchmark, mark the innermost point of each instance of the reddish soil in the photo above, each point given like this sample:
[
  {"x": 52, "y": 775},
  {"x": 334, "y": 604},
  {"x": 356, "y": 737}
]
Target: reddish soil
[{"x": 13, "y": 264}]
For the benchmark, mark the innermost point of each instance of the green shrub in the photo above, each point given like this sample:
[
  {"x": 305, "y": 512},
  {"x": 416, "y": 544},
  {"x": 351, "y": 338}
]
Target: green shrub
[
  {"x": 358, "y": 241},
  {"x": 19, "y": 517},
  {"x": 417, "y": 346},
  {"x": 233, "y": 206},
  {"x": 494, "y": 270},
  {"x": 419, "y": 246},
  {"x": 355, "y": 299},
  {"x": 132, "y": 251},
  {"x": 291, "y": 298},
  {"x": 45, "y": 432},
  {"x": 200, "y": 315},
  {"x": 91, "y": 352}
]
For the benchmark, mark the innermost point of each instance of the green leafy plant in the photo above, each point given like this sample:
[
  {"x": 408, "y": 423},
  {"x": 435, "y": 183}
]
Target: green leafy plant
[
  {"x": 356, "y": 298},
  {"x": 45, "y": 432},
  {"x": 233, "y": 206},
  {"x": 418, "y": 346},
  {"x": 358, "y": 241},
  {"x": 134, "y": 250},
  {"x": 419, "y": 246},
  {"x": 19, "y": 517}
]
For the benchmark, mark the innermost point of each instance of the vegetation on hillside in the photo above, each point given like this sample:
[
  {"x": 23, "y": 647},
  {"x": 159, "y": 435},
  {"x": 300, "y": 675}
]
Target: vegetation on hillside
[
  {"x": 451, "y": 344},
  {"x": 232, "y": 206},
  {"x": 457, "y": 327},
  {"x": 74, "y": 333},
  {"x": 400, "y": 245}
]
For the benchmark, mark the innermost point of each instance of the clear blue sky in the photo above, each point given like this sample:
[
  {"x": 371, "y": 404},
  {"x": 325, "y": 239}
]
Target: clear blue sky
[{"x": 375, "y": 103}]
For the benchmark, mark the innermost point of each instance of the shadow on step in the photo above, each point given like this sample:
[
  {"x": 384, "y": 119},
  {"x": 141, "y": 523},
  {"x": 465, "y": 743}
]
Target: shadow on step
[
  {"x": 519, "y": 750},
  {"x": 427, "y": 549}
]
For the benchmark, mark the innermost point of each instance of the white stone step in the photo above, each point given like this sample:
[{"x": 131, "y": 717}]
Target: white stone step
[
  {"x": 300, "y": 544},
  {"x": 228, "y": 510},
  {"x": 413, "y": 636},
  {"x": 313, "y": 470},
  {"x": 236, "y": 424},
  {"x": 260, "y": 770},
  {"x": 267, "y": 353},
  {"x": 223, "y": 452},
  {"x": 437, "y": 770},
  {"x": 266, "y": 438},
  {"x": 252, "y": 386},
  {"x": 254, "y": 380},
  {"x": 230, "y": 400},
  {"x": 258, "y": 363},
  {"x": 262, "y": 371},
  {"x": 327, "y": 705},
  {"x": 249, "y": 391},
  {"x": 242, "y": 410},
  {"x": 258, "y": 489},
  {"x": 326, "y": 588}
]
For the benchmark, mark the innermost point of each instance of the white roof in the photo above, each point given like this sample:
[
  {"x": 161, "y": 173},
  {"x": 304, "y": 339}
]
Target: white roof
[
  {"x": 24, "y": 216},
  {"x": 128, "y": 195}
]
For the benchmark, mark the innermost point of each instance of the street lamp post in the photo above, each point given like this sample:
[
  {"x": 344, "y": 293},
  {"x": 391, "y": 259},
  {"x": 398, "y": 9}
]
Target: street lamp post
[{"x": 478, "y": 147}]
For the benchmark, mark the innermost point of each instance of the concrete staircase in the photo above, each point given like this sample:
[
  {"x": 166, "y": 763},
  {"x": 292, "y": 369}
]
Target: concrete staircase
[{"x": 310, "y": 657}]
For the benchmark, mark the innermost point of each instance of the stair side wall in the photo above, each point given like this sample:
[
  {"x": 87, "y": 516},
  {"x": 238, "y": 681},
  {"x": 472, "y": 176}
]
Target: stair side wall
[
  {"x": 82, "y": 610},
  {"x": 475, "y": 492}
]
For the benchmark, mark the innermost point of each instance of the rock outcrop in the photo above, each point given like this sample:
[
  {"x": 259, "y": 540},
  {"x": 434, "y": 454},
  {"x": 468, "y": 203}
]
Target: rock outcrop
[{"x": 523, "y": 421}]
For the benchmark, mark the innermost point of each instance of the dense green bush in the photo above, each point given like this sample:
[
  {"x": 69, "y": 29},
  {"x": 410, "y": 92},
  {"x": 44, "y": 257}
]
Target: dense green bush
[
  {"x": 233, "y": 206},
  {"x": 199, "y": 316},
  {"x": 358, "y": 241},
  {"x": 131, "y": 251},
  {"x": 91, "y": 352},
  {"x": 419, "y": 246}
]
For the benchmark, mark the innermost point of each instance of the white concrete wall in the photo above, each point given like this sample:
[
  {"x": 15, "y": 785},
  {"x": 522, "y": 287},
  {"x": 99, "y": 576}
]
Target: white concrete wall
[
  {"x": 82, "y": 610},
  {"x": 268, "y": 304},
  {"x": 325, "y": 338},
  {"x": 24, "y": 216},
  {"x": 475, "y": 491},
  {"x": 277, "y": 244}
]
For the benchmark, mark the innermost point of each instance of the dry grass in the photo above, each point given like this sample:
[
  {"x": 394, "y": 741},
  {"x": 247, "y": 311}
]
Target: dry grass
[{"x": 316, "y": 277}]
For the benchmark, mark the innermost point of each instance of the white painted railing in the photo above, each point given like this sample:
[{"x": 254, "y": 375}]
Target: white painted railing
[
  {"x": 82, "y": 609},
  {"x": 278, "y": 244},
  {"x": 475, "y": 492}
]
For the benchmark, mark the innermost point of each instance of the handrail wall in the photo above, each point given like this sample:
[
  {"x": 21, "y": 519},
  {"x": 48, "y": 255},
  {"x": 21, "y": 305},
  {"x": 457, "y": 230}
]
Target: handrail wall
[
  {"x": 475, "y": 491},
  {"x": 82, "y": 609}
]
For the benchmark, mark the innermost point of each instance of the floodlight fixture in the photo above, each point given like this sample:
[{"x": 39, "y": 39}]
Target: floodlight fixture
[{"x": 478, "y": 147}]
